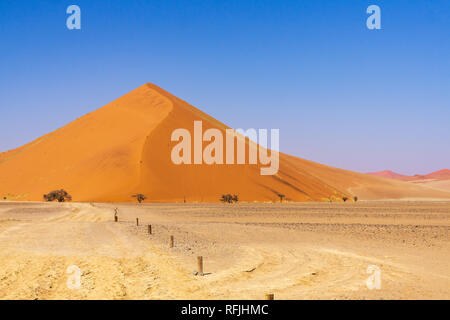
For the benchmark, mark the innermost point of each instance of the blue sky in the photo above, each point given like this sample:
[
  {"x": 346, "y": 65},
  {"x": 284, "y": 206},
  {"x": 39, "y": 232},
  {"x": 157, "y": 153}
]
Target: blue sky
[{"x": 341, "y": 94}]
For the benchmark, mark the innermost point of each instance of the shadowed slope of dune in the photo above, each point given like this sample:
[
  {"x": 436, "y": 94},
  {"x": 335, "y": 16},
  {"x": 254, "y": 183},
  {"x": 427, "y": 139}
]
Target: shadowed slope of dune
[{"x": 125, "y": 147}]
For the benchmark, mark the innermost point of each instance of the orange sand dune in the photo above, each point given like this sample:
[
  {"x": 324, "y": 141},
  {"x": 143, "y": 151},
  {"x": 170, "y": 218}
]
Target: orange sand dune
[{"x": 125, "y": 147}]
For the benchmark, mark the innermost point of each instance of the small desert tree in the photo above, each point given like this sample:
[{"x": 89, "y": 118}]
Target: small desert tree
[
  {"x": 225, "y": 198},
  {"x": 345, "y": 199},
  {"x": 282, "y": 196},
  {"x": 139, "y": 197},
  {"x": 59, "y": 195},
  {"x": 355, "y": 198},
  {"x": 235, "y": 198},
  {"x": 228, "y": 198}
]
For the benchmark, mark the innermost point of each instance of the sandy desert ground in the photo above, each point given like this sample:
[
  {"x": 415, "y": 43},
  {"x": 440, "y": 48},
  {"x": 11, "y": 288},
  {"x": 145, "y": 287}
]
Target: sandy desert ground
[{"x": 296, "y": 251}]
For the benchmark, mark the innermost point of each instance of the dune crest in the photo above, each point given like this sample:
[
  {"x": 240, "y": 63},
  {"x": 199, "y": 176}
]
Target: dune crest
[{"x": 125, "y": 147}]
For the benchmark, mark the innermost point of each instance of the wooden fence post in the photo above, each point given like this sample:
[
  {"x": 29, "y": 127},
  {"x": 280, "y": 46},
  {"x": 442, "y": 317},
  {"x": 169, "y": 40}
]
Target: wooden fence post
[{"x": 200, "y": 265}]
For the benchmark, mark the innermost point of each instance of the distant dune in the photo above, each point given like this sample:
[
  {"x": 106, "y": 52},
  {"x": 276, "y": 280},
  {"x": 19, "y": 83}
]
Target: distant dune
[
  {"x": 125, "y": 147},
  {"x": 388, "y": 174},
  {"x": 438, "y": 180},
  {"x": 437, "y": 175}
]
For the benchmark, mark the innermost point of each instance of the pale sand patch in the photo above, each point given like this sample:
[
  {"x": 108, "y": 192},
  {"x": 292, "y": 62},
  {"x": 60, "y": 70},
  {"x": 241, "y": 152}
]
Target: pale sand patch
[{"x": 443, "y": 185}]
